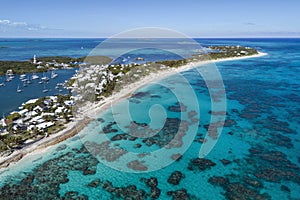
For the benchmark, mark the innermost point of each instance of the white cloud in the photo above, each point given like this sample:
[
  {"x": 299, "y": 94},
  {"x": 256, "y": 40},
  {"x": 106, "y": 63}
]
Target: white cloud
[
  {"x": 11, "y": 26},
  {"x": 249, "y": 23},
  {"x": 4, "y": 22},
  {"x": 32, "y": 29},
  {"x": 19, "y": 24}
]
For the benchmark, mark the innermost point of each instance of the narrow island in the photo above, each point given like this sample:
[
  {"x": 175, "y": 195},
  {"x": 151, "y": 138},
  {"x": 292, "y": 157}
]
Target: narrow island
[{"x": 49, "y": 120}]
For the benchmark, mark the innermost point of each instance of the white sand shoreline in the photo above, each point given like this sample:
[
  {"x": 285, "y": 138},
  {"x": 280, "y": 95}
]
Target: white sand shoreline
[{"x": 89, "y": 111}]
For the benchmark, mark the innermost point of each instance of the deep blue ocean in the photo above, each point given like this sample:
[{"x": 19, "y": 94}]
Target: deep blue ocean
[{"x": 256, "y": 155}]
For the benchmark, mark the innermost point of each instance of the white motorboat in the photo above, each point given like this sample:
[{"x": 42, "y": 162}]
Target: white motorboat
[{"x": 34, "y": 77}]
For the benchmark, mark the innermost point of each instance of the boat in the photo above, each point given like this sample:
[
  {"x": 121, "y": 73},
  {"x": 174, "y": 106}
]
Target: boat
[
  {"x": 45, "y": 89},
  {"x": 28, "y": 81},
  {"x": 34, "y": 76},
  {"x": 9, "y": 75},
  {"x": 22, "y": 76},
  {"x": 44, "y": 78},
  {"x": 18, "y": 89},
  {"x": 8, "y": 79},
  {"x": 2, "y": 84},
  {"x": 53, "y": 74},
  {"x": 60, "y": 84},
  {"x": 140, "y": 58}
]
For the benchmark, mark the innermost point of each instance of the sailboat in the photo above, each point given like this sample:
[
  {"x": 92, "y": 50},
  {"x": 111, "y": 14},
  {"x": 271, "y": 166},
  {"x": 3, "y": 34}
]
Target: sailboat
[
  {"x": 28, "y": 81},
  {"x": 45, "y": 89},
  {"x": 44, "y": 78},
  {"x": 2, "y": 84},
  {"x": 18, "y": 89},
  {"x": 53, "y": 74}
]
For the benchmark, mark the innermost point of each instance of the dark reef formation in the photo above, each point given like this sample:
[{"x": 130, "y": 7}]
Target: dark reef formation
[
  {"x": 200, "y": 164},
  {"x": 44, "y": 181},
  {"x": 175, "y": 177}
]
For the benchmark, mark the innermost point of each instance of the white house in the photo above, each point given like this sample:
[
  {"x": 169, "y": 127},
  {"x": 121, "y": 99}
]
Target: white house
[
  {"x": 37, "y": 119},
  {"x": 69, "y": 103},
  {"x": 53, "y": 98},
  {"x": 31, "y": 101},
  {"x": 23, "y": 112},
  {"x": 59, "y": 110},
  {"x": 44, "y": 125}
]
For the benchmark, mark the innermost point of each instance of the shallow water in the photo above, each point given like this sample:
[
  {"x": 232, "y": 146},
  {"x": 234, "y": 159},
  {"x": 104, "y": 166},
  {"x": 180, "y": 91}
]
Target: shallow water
[{"x": 260, "y": 140}]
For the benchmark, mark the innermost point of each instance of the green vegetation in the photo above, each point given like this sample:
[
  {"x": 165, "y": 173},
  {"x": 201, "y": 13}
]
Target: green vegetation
[
  {"x": 97, "y": 60},
  {"x": 20, "y": 67},
  {"x": 31, "y": 106},
  {"x": 59, "y": 59},
  {"x": 172, "y": 63},
  {"x": 231, "y": 51},
  {"x": 109, "y": 88},
  {"x": 13, "y": 116},
  {"x": 71, "y": 82}
]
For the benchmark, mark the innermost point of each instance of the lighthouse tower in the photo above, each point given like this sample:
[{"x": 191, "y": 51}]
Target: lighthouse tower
[{"x": 34, "y": 59}]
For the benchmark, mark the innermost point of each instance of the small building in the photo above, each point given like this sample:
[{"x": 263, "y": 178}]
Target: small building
[
  {"x": 53, "y": 98},
  {"x": 23, "y": 112},
  {"x": 2, "y": 122},
  {"x": 38, "y": 109},
  {"x": 44, "y": 125},
  {"x": 47, "y": 101},
  {"x": 69, "y": 103},
  {"x": 32, "y": 113},
  {"x": 59, "y": 110},
  {"x": 37, "y": 120},
  {"x": 30, "y": 127},
  {"x": 48, "y": 114},
  {"x": 31, "y": 101}
]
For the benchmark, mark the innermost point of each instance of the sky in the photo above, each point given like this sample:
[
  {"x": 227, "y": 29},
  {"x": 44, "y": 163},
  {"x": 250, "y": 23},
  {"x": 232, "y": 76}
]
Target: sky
[{"x": 195, "y": 18}]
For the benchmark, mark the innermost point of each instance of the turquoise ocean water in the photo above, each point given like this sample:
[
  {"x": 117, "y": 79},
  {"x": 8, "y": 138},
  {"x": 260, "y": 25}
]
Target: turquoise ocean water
[{"x": 256, "y": 156}]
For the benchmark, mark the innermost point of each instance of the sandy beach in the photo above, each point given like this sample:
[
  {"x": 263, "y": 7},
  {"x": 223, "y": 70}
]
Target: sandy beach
[{"x": 91, "y": 110}]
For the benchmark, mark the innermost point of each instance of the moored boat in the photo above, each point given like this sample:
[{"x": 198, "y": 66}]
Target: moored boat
[{"x": 18, "y": 89}]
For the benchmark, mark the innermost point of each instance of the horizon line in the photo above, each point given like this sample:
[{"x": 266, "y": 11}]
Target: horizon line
[{"x": 204, "y": 37}]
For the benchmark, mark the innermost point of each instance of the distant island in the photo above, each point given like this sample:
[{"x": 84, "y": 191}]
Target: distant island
[
  {"x": 43, "y": 64},
  {"x": 40, "y": 118}
]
